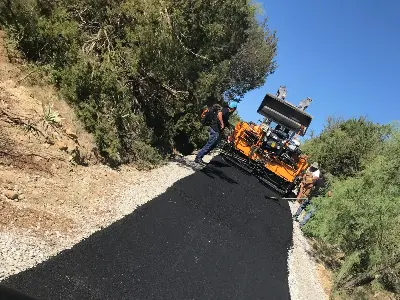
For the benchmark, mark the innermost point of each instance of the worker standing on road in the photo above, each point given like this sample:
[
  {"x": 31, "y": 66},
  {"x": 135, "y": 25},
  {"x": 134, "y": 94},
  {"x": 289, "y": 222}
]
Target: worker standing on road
[
  {"x": 219, "y": 120},
  {"x": 227, "y": 110},
  {"x": 309, "y": 178}
]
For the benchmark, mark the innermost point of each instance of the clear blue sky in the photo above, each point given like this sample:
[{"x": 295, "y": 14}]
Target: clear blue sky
[{"x": 344, "y": 54}]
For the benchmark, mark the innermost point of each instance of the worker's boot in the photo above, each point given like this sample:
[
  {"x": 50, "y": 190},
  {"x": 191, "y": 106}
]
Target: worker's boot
[{"x": 199, "y": 161}]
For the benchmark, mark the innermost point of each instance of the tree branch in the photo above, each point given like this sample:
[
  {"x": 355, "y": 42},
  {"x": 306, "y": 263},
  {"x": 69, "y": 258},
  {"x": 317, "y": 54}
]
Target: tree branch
[
  {"x": 166, "y": 87},
  {"x": 180, "y": 41}
]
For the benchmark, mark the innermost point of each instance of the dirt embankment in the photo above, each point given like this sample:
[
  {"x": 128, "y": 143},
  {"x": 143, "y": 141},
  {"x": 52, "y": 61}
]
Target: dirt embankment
[
  {"x": 41, "y": 148},
  {"x": 53, "y": 189}
]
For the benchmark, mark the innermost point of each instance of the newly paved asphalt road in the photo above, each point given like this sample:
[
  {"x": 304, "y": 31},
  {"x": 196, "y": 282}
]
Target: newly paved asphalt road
[{"x": 212, "y": 235}]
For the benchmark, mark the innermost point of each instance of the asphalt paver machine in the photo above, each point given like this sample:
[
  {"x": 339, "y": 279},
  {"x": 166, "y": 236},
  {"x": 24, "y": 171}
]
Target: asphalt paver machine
[{"x": 270, "y": 150}]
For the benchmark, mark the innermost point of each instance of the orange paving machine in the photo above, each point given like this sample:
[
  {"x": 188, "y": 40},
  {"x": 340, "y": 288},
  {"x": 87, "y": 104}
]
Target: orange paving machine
[{"x": 270, "y": 150}]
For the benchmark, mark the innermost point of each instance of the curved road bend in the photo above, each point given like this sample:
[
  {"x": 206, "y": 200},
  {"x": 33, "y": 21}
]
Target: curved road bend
[{"x": 212, "y": 235}]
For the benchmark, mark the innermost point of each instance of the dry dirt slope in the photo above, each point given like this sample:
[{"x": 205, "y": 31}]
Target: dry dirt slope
[
  {"x": 37, "y": 153},
  {"x": 48, "y": 201}
]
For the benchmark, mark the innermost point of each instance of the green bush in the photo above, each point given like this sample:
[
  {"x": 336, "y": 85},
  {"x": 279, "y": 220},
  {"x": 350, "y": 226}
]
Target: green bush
[
  {"x": 344, "y": 145},
  {"x": 362, "y": 217},
  {"x": 159, "y": 61}
]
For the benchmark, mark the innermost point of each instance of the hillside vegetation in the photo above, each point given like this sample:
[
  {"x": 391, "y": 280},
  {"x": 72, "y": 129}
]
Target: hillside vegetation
[
  {"x": 361, "y": 221},
  {"x": 138, "y": 72}
]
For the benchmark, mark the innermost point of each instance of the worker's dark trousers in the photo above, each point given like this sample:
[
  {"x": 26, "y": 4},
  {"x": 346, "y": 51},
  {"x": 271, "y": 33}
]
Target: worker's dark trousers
[{"x": 212, "y": 140}]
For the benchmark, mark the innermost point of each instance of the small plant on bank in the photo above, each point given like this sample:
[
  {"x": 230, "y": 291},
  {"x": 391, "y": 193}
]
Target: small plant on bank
[{"x": 51, "y": 116}]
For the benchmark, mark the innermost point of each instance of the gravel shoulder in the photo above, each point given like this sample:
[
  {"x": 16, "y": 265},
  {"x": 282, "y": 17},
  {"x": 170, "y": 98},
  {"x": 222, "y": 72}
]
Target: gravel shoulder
[
  {"x": 304, "y": 282},
  {"x": 212, "y": 235},
  {"x": 27, "y": 241},
  {"x": 124, "y": 191}
]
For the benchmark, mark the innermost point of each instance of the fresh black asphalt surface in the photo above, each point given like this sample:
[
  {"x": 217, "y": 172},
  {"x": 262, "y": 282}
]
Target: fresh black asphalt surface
[{"x": 212, "y": 235}]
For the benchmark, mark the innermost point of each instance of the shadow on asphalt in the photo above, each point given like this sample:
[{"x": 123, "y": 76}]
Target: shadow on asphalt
[
  {"x": 212, "y": 171},
  {"x": 7, "y": 293},
  {"x": 204, "y": 238},
  {"x": 218, "y": 164}
]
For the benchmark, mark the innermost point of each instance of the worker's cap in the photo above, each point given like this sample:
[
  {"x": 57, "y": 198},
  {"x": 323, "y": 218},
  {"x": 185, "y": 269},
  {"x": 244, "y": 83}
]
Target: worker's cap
[
  {"x": 233, "y": 105},
  {"x": 315, "y": 165}
]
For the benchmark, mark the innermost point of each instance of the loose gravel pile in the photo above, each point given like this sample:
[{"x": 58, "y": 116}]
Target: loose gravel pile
[{"x": 304, "y": 283}]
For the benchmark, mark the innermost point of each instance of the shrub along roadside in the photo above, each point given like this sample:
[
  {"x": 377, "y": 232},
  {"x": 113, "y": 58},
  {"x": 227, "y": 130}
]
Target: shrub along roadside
[
  {"x": 138, "y": 72},
  {"x": 362, "y": 218}
]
